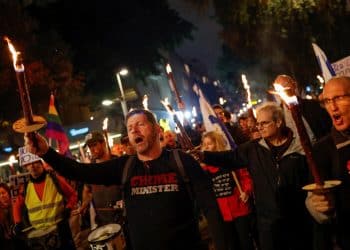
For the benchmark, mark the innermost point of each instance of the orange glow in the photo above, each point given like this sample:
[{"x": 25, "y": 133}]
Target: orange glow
[
  {"x": 145, "y": 102},
  {"x": 168, "y": 68},
  {"x": 247, "y": 88},
  {"x": 280, "y": 90},
  {"x": 14, "y": 53},
  {"x": 167, "y": 106},
  {"x": 105, "y": 124}
]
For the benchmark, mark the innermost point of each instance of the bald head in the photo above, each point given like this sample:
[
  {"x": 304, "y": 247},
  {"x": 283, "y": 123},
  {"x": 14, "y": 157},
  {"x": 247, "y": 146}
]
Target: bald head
[
  {"x": 336, "y": 99},
  {"x": 341, "y": 81},
  {"x": 288, "y": 83}
]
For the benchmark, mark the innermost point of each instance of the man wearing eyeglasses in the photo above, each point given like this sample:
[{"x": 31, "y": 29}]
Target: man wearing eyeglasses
[
  {"x": 279, "y": 170},
  {"x": 331, "y": 210}
]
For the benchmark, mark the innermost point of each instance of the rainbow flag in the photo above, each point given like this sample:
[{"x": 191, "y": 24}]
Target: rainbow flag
[{"x": 54, "y": 129}]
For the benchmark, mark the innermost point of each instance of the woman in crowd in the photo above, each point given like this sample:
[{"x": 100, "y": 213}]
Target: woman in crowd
[
  {"x": 7, "y": 239},
  {"x": 233, "y": 190}
]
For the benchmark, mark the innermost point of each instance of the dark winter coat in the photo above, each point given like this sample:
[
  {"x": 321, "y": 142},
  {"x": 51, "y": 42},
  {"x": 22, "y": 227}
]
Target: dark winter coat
[
  {"x": 281, "y": 214},
  {"x": 332, "y": 155}
]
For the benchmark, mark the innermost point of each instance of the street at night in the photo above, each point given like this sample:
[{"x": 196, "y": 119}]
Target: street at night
[{"x": 174, "y": 124}]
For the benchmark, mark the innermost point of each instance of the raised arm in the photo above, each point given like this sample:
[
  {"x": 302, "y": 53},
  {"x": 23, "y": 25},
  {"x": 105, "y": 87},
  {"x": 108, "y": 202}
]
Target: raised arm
[
  {"x": 106, "y": 173},
  {"x": 225, "y": 159}
]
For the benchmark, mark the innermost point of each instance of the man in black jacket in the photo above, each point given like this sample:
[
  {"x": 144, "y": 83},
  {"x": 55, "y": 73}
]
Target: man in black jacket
[
  {"x": 160, "y": 207},
  {"x": 332, "y": 153},
  {"x": 278, "y": 167}
]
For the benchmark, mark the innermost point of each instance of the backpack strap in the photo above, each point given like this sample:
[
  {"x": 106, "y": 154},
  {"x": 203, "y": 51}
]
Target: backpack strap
[
  {"x": 126, "y": 175},
  {"x": 181, "y": 170}
]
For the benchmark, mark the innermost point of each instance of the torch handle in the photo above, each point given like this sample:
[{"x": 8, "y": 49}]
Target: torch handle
[
  {"x": 238, "y": 184},
  {"x": 107, "y": 141},
  {"x": 32, "y": 137},
  {"x": 173, "y": 87},
  {"x": 306, "y": 144},
  {"x": 185, "y": 138},
  {"x": 25, "y": 98}
]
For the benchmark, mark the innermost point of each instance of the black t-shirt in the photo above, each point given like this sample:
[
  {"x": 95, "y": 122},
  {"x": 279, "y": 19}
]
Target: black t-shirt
[{"x": 159, "y": 208}]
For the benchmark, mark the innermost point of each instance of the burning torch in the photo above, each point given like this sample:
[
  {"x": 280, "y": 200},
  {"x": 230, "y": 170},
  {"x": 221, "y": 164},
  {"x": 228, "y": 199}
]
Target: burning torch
[
  {"x": 172, "y": 84},
  {"x": 292, "y": 104},
  {"x": 29, "y": 123},
  {"x": 185, "y": 141},
  {"x": 145, "y": 102},
  {"x": 246, "y": 86},
  {"x": 105, "y": 132}
]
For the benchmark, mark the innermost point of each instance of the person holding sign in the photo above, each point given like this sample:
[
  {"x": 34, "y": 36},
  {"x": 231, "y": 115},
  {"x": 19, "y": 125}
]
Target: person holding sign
[
  {"x": 233, "y": 190},
  {"x": 42, "y": 212}
]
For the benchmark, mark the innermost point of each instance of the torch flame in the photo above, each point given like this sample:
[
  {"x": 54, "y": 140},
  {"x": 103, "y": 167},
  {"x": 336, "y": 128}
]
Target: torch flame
[
  {"x": 166, "y": 101},
  {"x": 105, "y": 124},
  {"x": 280, "y": 90},
  {"x": 247, "y": 88},
  {"x": 12, "y": 159},
  {"x": 145, "y": 102},
  {"x": 168, "y": 68},
  {"x": 167, "y": 106},
  {"x": 194, "y": 111},
  {"x": 177, "y": 130},
  {"x": 14, "y": 53},
  {"x": 187, "y": 69}
]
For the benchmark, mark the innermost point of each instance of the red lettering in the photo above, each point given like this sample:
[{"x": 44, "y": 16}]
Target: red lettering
[
  {"x": 134, "y": 181},
  {"x": 172, "y": 178},
  {"x": 150, "y": 180},
  {"x": 143, "y": 181},
  {"x": 153, "y": 180}
]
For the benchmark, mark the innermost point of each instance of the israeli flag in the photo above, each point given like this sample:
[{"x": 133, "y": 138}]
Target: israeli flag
[
  {"x": 210, "y": 121},
  {"x": 326, "y": 67}
]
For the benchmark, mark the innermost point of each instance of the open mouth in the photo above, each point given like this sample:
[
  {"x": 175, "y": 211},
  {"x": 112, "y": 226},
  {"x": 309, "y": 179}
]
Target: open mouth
[
  {"x": 138, "y": 140},
  {"x": 337, "y": 118}
]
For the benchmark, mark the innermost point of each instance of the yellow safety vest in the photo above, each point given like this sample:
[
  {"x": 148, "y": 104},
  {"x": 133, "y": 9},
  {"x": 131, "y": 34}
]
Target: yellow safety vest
[{"x": 48, "y": 211}]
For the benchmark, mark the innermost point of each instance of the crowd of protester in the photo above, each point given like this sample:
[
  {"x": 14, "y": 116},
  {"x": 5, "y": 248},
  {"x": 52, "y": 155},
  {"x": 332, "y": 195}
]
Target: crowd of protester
[{"x": 247, "y": 198}]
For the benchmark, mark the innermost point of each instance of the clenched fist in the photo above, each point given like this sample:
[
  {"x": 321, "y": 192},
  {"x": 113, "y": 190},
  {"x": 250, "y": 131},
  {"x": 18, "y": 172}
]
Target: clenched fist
[{"x": 36, "y": 143}]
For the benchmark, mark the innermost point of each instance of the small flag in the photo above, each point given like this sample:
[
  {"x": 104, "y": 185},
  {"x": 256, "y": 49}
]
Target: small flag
[
  {"x": 326, "y": 67},
  {"x": 54, "y": 129},
  {"x": 210, "y": 121}
]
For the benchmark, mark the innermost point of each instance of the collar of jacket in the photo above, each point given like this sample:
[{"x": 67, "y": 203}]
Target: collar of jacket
[
  {"x": 295, "y": 147},
  {"x": 39, "y": 179},
  {"x": 341, "y": 139}
]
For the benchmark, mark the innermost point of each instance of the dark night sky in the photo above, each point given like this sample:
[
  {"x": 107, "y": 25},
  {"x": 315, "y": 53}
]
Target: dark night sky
[{"x": 206, "y": 44}]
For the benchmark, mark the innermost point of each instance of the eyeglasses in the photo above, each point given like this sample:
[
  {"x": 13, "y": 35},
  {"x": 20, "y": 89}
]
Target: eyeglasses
[
  {"x": 220, "y": 113},
  {"x": 336, "y": 99},
  {"x": 263, "y": 124}
]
